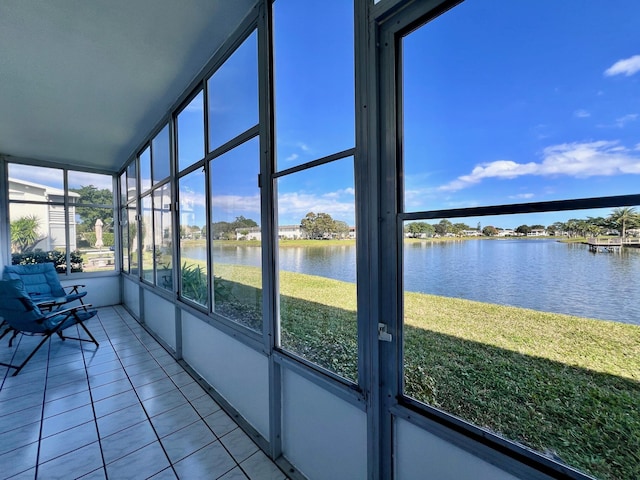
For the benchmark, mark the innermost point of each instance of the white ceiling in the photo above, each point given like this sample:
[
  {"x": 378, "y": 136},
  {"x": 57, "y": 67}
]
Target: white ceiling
[{"x": 82, "y": 82}]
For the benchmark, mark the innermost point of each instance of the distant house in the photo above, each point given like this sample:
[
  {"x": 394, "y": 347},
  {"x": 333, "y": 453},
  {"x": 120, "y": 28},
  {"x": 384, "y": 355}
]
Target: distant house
[
  {"x": 285, "y": 232},
  {"x": 46, "y": 204},
  {"x": 249, "y": 233},
  {"x": 506, "y": 232},
  {"x": 289, "y": 232},
  {"x": 470, "y": 233},
  {"x": 537, "y": 232}
]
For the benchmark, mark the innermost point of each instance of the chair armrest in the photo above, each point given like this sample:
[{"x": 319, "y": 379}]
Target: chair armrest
[
  {"x": 63, "y": 311},
  {"x": 51, "y": 304}
]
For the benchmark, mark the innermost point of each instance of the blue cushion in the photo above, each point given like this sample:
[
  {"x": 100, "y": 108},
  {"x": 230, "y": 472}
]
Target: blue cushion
[
  {"x": 40, "y": 279},
  {"x": 17, "y": 308}
]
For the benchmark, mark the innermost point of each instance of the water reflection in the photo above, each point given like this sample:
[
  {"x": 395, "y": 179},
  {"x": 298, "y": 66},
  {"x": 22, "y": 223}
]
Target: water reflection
[{"x": 540, "y": 274}]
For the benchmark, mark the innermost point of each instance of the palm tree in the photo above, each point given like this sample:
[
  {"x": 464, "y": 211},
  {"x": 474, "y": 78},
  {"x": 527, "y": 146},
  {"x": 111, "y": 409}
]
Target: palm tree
[
  {"x": 624, "y": 217},
  {"x": 24, "y": 233}
]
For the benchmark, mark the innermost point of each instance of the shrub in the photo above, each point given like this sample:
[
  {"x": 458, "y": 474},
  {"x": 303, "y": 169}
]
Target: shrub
[{"x": 56, "y": 257}]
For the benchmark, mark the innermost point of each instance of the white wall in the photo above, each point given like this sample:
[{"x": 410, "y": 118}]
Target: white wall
[
  {"x": 421, "y": 455},
  {"x": 131, "y": 292},
  {"x": 237, "y": 372},
  {"x": 159, "y": 316},
  {"x": 324, "y": 436},
  {"x": 101, "y": 291}
]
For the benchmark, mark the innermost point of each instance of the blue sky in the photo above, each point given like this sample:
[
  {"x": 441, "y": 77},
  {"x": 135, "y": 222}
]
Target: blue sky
[
  {"x": 504, "y": 102},
  {"x": 537, "y": 101}
]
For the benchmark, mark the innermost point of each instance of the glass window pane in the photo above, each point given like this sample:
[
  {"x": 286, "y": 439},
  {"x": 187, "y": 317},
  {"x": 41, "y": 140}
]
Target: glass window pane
[
  {"x": 190, "y": 125},
  {"x": 133, "y": 239},
  {"x": 193, "y": 244},
  {"x": 314, "y": 79},
  {"x": 515, "y": 324},
  {"x": 317, "y": 264},
  {"x": 132, "y": 186},
  {"x": 163, "y": 252},
  {"x": 123, "y": 188},
  {"x": 515, "y": 116},
  {"x": 161, "y": 158},
  {"x": 94, "y": 239},
  {"x": 35, "y": 184},
  {"x": 147, "y": 238},
  {"x": 145, "y": 169},
  {"x": 125, "y": 239},
  {"x": 236, "y": 250},
  {"x": 233, "y": 94},
  {"x": 521, "y": 324}
]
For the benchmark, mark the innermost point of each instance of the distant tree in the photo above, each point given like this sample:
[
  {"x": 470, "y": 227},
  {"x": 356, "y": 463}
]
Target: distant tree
[
  {"x": 89, "y": 214},
  {"x": 623, "y": 218},
  {"x": 24, "y": 234},
  {"x": 443, "y": 227},
  {"x": 227, "y": 230},
  {"x": 557, "y": 228},
  {"x": 459, "y": 228},
  {"x": 489, "y": 231},
  {"x": 241, "y": 222},
  {"x": 417, "y": 229},
  {"x": 340, "y": 229},
  {"x": 220, "y": 230},
  {"x": 321, "y": 226},
  {"x": 523, "y": 230},
  {"x": 537, "y": 227}
]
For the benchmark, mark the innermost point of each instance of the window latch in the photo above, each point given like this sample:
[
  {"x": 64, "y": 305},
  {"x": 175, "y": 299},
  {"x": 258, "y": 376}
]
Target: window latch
[{"x": 383, "y": 335}]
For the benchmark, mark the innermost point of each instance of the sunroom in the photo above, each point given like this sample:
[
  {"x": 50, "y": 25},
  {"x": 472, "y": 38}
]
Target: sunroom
[{"x": 291, "y": 217}]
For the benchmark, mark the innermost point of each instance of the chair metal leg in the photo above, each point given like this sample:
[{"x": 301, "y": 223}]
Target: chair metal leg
[
  {"x": 5, "y": 332},
  {"x": 15, "y": 334},
  {"x": 21, "y": 366},
  {"x": 88, "y": 333}
]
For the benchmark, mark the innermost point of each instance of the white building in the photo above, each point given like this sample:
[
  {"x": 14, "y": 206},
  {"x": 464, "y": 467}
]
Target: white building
[{"x": 47, "y": 205}]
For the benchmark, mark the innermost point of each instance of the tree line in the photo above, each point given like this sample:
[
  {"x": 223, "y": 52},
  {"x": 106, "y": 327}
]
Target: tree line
[{"x": 618, "y": 222}]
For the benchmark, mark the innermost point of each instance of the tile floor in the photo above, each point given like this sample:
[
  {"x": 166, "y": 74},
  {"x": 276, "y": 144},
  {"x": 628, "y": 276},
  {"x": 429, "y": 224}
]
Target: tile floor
[{"x": 123, "y": 410}]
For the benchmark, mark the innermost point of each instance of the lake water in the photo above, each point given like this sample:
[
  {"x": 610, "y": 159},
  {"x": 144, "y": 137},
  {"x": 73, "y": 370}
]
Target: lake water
[{"x": 540, "y": 274}]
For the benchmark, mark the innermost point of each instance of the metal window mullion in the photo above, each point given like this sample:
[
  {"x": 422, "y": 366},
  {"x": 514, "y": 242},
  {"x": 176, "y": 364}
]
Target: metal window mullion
[
  {"x": 5, "y": 222},
  {"x": 67, "y": 223},
  {"x": 389, "y": 365},
  {"x": 270, "y": 304}
]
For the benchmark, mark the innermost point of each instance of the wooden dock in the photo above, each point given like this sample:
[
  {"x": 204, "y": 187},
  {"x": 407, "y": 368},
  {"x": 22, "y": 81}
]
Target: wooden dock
[{"x": 605, "y": 244}]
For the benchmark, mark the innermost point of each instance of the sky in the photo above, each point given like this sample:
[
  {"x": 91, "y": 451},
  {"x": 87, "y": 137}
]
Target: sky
[
  {"x": 538, "y": 101},
  {"x": 503, "y": 102}
]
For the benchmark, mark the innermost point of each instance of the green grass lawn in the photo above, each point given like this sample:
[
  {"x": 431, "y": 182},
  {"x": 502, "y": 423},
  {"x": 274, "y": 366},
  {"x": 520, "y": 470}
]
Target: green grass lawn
[{"x": 566, "y": 386}]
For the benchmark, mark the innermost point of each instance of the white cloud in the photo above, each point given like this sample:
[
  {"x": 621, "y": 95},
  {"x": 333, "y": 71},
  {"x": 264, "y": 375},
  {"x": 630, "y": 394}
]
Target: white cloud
[
  {"x": 236, "y": 203},
  {"x": 340, "y": 193},
  {"x": 581, "y": 160},
  {"x": 581, "y": 114},
  {"x": 622, "y": 121},
  {"x": 292, "y": 157},
  {"x": 522, "y": 196},
  {"x": 190, "y": 199},
  {"x": 627, "y": 67},
  {"x": 293, "y": 206}
]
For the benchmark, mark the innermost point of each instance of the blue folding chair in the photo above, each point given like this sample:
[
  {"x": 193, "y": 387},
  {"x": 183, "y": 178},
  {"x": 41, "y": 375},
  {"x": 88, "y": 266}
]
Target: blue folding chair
[
  {"x": 42, "y": 284},
  {"x": 22, "y": 315}
]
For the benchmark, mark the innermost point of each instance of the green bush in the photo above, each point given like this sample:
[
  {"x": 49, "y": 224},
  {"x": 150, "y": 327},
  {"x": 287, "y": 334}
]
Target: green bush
[{"x": 56, "y": 257}]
